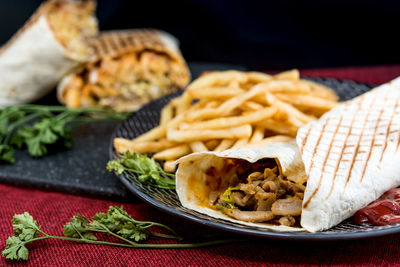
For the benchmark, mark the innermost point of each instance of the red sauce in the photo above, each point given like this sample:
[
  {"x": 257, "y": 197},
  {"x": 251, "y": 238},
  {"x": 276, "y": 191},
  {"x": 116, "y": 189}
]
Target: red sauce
[{"x": 383, "y": 211}]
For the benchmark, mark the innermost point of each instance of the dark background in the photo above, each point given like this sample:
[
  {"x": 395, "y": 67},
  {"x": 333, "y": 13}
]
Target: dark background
[{"x": 258, "y": 34}]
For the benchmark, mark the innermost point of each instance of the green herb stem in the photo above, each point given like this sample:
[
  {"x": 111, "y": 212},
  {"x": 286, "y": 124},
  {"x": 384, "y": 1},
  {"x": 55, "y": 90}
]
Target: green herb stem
[
  {"x": 16, "y": 124},
  {"x": 37, "y": 127}
]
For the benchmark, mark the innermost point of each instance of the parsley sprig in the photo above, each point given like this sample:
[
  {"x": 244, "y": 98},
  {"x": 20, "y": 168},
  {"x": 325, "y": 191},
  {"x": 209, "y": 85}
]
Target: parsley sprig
[
  {"x": 116, "y": 222},
  {"x": 148, "y": 171},
  {"x": 39, "y": 127}
]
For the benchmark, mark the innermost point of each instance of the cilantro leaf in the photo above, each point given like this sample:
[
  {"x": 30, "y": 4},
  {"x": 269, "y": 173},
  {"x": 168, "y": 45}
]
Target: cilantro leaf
[
  {"x": 148, "y": 171},
  {"x": 116, "y": 165},
  {"x": 15, "y": 249},
  {"x": 25, "y": 227},
  {"x": 7, "y": 116},
  {"x": 118, "y": 220},
  {"x": 40, "y": 128},
  {"x": 6, "y": 153},
  {"x": 78, "y": 228},
  {"x": 228, "y": 198}
]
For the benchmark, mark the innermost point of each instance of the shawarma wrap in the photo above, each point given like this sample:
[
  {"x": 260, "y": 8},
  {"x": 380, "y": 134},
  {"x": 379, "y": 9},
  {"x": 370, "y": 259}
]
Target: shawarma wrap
[
  {"x": 338, "y": 165},
  {"x": 130, "y": 68},
  {"x": 50, "y": 44}
]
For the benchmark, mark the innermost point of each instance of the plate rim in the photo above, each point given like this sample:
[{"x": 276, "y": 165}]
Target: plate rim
[{"x": 259, "y": 233}]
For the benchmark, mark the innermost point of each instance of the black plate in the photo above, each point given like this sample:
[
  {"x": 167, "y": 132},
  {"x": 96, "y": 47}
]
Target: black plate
[{"x": 167, "y": 200}]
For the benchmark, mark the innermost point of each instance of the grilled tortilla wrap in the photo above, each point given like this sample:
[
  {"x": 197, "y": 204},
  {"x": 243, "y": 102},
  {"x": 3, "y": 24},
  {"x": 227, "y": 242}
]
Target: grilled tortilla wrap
[
  {"x": 348, "y": 158},
  {"x": 131, "y": 68},
  {"x": 49, "y": 45},
  {"x": 351, "y": 156}
]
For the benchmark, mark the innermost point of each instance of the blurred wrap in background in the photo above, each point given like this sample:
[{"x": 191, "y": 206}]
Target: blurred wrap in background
[{"x": 257, "y": 34}]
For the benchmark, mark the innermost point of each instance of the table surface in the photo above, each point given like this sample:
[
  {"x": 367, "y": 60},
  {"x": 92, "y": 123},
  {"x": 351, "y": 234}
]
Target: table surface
[{"x": 53, "y": 209}]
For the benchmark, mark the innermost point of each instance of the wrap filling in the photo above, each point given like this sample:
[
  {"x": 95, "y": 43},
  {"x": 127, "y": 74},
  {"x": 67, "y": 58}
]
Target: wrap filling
[
  {"x": 255, "y": 192},
  {"x": 72, "y": 22}
]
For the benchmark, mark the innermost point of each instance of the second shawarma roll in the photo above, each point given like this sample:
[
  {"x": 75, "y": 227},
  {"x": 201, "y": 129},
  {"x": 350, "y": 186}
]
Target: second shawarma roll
[
  {"x": 131, "y": 68},
  {"x": 50, "y": 44}
]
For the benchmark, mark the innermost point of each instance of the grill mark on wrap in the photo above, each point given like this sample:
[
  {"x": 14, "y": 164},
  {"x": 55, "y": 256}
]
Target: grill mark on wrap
[
  {"x": 357, "y": 152},
  {"x": 316, "y": 145},
  {"x": 341, "y": 153},
  {"x": 372, "y": 141},
  {"x": 325, "y": 161},
  {"x": 388, "y": 130},
  {"x": 121, "y": 39},
  {"x": 116, "y": 43},
  {"x": 102, "y": 47},
  {"x": 398, "y": 143},
  {"x": 111, "y": 43},
  {"x": 303, "y": 143}
]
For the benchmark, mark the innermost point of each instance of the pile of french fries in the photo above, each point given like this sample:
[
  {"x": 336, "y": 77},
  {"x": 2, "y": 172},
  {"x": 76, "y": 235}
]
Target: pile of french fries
[{"x": 232, "y": 109}]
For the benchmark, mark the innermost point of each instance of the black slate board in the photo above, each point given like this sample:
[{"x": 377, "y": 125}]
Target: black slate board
[{"x": 81, "y": 169}]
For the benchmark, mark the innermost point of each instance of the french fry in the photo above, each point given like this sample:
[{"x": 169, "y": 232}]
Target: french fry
[
  {"x": 184, "y": 103},
  {"x": 215, "y": 92},
  {"x": 240, "y": 143},
  {"x": 243, "y": 131},
  {"x": 278, "y": 127},
  {"x": 225, "y": 144},
  {"x": 212, "y": 144},
  {"x": 170, "y": 166},
  {"x": 258, "y": 77},
  {"x": 155, "y": 133},
  {"x": 122, "y": 145},
  {"x": 320, "y": 90},
  {"x": 307, "y": 101},
  {"x": 167, "y": 113},
  {"x": 173, "y": 152},
  {"x": 289, "y": 110},
  {"x": 198, "y": 146},
  {"x": 296, "y": 122},
  {"x": 252, "y": 117},
  {"x": 288, "y": 87},
  {"x": 234, "y": 84},
  {"x": 291, "y": 75},
  {"x": 227, "y": 106},
  {"x": 258, "y": 135},
  {"x": 214, "y": 78},
  {"x": 251, "y": 105},
  {"x": 270, "y": 140},
  {"x": 238, "y": 100}
]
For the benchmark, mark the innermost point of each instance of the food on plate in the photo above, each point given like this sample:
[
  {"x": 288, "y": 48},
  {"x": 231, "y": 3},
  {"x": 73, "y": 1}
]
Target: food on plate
[
  {"x": 130, "y": 68},
  {"x": 345, "y": 160},
  {"x": 148, "y": 171},
  {"x": 49, "y": 45},
  {"x": 351, "y": 156},
  {"x": 260, "y": 187},
  {"x": 232, "y": 109},
  {"x": 385, "y": 210}
]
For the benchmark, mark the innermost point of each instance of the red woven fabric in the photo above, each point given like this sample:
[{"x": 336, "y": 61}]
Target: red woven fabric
[{"x": 52, "y": 210}]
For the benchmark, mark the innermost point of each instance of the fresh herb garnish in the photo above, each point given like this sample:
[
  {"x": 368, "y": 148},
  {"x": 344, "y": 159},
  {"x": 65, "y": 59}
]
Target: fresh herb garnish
[
  {"x": 38, "y": 127},
  {"x": 116, "y": 222},
  {"x": 148, "y": 171},
  {"x": 228, "y": 198}
]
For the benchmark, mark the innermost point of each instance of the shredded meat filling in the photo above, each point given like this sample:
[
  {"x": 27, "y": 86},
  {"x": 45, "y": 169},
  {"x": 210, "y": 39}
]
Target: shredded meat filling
[{"x": 259, "y": 193}]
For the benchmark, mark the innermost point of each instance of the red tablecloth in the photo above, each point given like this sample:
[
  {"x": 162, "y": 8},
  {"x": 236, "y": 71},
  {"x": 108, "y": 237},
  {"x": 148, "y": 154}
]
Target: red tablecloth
[{"x": 52, "y": 210}]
